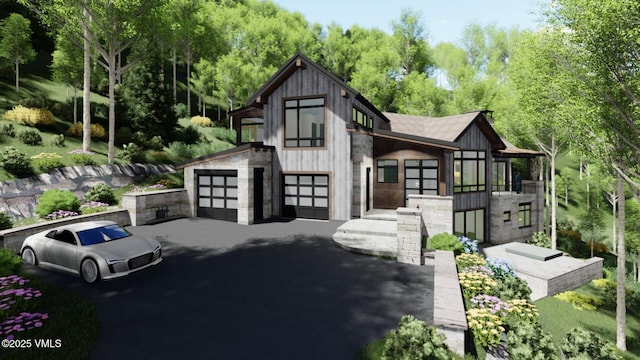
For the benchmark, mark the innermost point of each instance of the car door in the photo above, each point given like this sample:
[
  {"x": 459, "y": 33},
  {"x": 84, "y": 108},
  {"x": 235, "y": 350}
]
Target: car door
[{"x": 62, "y": 250}]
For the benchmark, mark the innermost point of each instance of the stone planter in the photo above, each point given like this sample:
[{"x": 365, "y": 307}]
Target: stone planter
[{"x": 154, "y": 206}]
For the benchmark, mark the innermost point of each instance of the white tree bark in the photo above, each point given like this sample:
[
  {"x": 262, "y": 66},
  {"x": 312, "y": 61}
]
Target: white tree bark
[
  {"x": 621, "y": 310},
  {"x": 86, "y": 85}
]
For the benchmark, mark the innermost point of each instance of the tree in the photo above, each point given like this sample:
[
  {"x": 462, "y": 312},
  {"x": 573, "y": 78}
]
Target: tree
[
  {"x": 592, "y": 219},
  {"x": 66, "y": 66},
  {"x": 338, "y": 53},
  {"x": 15, "y": 43},
  {"x": 410, "y": 42}
]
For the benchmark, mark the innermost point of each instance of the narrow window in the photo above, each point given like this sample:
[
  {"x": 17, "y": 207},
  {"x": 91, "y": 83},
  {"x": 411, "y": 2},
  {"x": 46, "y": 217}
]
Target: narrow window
[
  {"x": 524, "y": 215},
  {"x": 387, "y": 171}
]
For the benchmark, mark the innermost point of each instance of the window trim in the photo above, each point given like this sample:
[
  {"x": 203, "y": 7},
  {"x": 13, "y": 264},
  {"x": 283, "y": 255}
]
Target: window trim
[
  {"x": 284, "y": 122},
  {"x": 484, "y": 224},
  {"x": 383, "y": 181},
  {"x": 355, "y": 113},
  {"x": 481, "y": 182},
  {"x": 254, "y": 126},
  {"x": 525, "y": 210},
  {"x": 421, "y": 177},
  {"x": 506, "y": 216},
  {"x": 496, "y": 175}
]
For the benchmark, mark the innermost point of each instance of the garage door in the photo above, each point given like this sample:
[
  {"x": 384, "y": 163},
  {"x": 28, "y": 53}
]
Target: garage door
[
  {"x": 306, "y": 196},
  {"x": 217, "y": 195}
]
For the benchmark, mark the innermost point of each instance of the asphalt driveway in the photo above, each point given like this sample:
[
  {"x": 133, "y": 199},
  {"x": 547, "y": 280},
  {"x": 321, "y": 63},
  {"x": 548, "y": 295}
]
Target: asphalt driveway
[{"x": 267, "y": 291}]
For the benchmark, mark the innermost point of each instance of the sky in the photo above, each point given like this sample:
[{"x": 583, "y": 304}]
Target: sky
[{"x": 444, "y": 19}]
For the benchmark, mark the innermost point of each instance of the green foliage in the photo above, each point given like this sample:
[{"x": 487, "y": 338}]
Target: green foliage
[
  {"x": 580, "y": 301},
  {"x": 188, "y": 135},
  {"x": 180, "y": 110},
  {"x": 15, "y": 162},
  {"x": 30, "y": 137},
  {"x": 53, "y": 200},
  {"x": 464, "y": 261},
  {"x": 485, "y": 326},
  {"x": 124, "y": 135},
  {"x": 7, "y": 129},
  {"x": 155, "y": 143},
  {"x": 598, "y": 247},
  {"x": 58, "y": 140},
  {"x": 512, "y": 287},
  {"x": 224, "y": 134},
  {"x": 30, "y": 116},
  {"x": 540, "y": 239},
  {"x": 5, "y": 221},
  {"x": 201, "y": 121},
  {"x": 45, "y": 162},
  {"x": 82, "y": 159},
  {"x": 414, "y": 340},
  {"x": 101, "y": 192},
  {"x": 132, "y": 153},
  {"x": 583, "y": 344},
  {"x": 10, "y": 263},
  {"x": 15, "y": 42},
  {"x": 181, "y": 150},
  {"x": 529, "y": 342},
  {"x": 447, "y": 242}
]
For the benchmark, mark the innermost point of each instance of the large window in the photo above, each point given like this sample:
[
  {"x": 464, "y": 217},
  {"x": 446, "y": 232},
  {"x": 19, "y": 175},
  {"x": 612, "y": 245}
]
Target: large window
[
  {"x": 524, "y": 215},
  {"x": 499, "y": 181},
  {"x": 252, "y": 130},
  {"x": 304, "y": 123},
  {"x": 387, "y": 171},
  {"x": 469, "y": 223},
  {"x": 421, "y": 177},
  {"x": 469, "y": 171},
  {"x": 362, "y": 119}
]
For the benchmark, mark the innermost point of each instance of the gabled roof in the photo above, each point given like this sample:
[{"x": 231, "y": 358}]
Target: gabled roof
[
  {"x": 448, "y": 128},
  {"x": 223, "y": 154},
  {"x": 295, "y": 63}
]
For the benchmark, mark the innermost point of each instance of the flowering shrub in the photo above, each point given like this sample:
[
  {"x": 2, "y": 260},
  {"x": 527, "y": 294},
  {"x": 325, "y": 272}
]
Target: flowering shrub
[
  {"x": 97, "y": 130},
  {"x": 100, "y": 192},
  {"x": 60, "y": 214},
  {"x": 468, "y": 246},
  {"x": 491, "y": 303},
  {"x": 522, "y": 310},
  {"x": 13, "y": 296},
  {"x": 467, "y": 260},
  {"x": 53, "y": 200},
  {"x": 157, "y": 187},
  {"x": 478, "y": 268},
  {"x": 474, "y": 283},
  {"x": 501, "y": 268},
  {"x": 30, "y": 116},
  {"x": 47, "y": 161},
  {"x": 93, "y": 207},
  {"x": 23, "y": 322},
  {"x": 485, "y": 326},
  {"x": 201, "y": 121}
]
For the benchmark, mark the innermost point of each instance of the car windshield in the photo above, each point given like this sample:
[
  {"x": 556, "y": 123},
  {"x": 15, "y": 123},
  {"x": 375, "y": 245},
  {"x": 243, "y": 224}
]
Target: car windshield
[{"x": 102, "y": 234}]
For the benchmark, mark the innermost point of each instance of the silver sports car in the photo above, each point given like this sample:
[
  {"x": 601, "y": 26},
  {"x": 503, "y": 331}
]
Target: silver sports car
[{"x": 94, "y": 250}]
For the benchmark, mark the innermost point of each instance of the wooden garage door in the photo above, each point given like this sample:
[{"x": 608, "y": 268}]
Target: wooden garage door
[
  {"x": 217, "y": 195},
  {"x": 306, "y": 196}
]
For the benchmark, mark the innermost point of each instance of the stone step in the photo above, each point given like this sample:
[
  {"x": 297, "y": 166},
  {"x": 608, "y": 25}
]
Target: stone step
[
  {"x": 369, "y": 227},
  {"x": 378, "y": 245},
  {"x": 382, "y": 217}
]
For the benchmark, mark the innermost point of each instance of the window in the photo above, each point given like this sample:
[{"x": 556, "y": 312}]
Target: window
[
  {"x": 421, "y": 177},
  {"x": 499, "y": 176},
  {"x": 362, "y": 119},
  {"x": 252, "y": 130},
  {"x": 524, "y": 215},
  {"x": 469, "y": 171},
  {"x": 506, "y": 216},
  {"x": 469, "y": 223},
  {"x": 304, "y": 123},
  {"x": 387, "y": 171}
]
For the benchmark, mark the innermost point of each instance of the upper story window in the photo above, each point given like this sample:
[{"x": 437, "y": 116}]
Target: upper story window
[
  {"x": 252, "y": 130},
  {"x": 362, "y": 119},
  {"x": 421, "y": 177},
  {"x": 304, "y": 122},
  {"x": 469, "y": 171},
  {"x": 387, "y": 171},
  {"x": 499, "y": 181},
  {"x": 524, "y": 215}
]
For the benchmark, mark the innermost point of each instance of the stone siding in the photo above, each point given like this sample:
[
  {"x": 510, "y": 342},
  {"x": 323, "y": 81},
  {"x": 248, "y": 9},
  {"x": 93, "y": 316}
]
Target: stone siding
[
  {"x": 152, "y": 206},
  {"x": 18, "y": 198},
  {"x": 362, "y": 156},
  {"x": 13, "y": 238},
  {"x": 437, "y": 212},
  {"x": 449, "y": 316},
  {"x": 503, "y": 232},
  {"x": 410, "y": 232}
]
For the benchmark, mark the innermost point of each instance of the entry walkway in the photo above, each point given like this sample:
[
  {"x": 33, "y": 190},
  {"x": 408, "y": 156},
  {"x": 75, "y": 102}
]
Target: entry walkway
[{"x": 375, "y": 234}]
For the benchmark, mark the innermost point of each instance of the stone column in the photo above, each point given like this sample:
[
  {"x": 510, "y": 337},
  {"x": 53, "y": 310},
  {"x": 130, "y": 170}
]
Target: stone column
[{"x": 410, "y": 232}]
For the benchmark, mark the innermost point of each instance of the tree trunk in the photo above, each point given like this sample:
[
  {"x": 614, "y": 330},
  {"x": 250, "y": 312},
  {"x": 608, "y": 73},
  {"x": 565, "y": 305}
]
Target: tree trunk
[
  {"x": 554, "y": 198},
  {"x": 546, "y": 200},
  {"x": 175, "y": 75},
  {"x": 112, "y": 105},
  {"x": 86, "y": 83},
  {"x": 614, "y": 205},
  {"x": 75, "y": 105},
  {"x": 188, "y": 61},
  {"x": 621, "y": 311}
]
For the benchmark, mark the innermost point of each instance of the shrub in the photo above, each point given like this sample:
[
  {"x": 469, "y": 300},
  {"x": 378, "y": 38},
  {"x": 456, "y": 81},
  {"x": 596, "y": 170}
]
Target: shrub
[
  {"x": 52, "y": 200},
  {"x": 512, "y": 287},
  {"x": 100, "y": 192},
  {"x": 132, "y": 153},
  {"x": 492, "y": 303},
  {"x": 224, "y": 134},
  {"x": 201, "y": 121},
  {"x": 124, "y": 135},
  {"x": 58, "y": 140},
  {"x": 181, "y": 150},
  {"x": 46, "y": 162},
  {"x": 10, "y": 263},
  {"x": 609, "y": 290},
  {"x": 540, "y": 239},
  {"x": 414, "y": 340},
  {"x": 97, "y": 130},
  {"x": 180, "y": 110},
  {"x": 466, "y": 260},
  {"x": 188, "y": 135},
  {"x": 30, "y": 116},
  {"x": 571, "y": 234},
  {"x": 529, "y": 341},
  {"x": 579, "y": 301},
  {"x": 475, "y": 283},
  {"x": 521, "y": 310},
  {"x": 82, "y": 157},
  {"x": 60, "y": 214},
  {"x": 501, "y": 268},
  {"x": 30, "y": 137},
  {"x": 446, "y": 241},
  {"x": 5, "y": 221},
  {"x": 92, "y": 207},
  {"x": 8, "y": 129},
  {"x": 38, "y": 100},
  {"x": 583, "y": 344},
  {"x": 485, "y": 326},
  {"x": 15, "y": 162},
  {"x": 468, "y": 246},
  {"x": 597, "y": 247},
  {"x": 155, "y": 143}
]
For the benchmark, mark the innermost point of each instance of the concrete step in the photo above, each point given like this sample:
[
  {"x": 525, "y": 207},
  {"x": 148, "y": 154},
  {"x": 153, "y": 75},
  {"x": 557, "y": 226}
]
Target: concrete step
[
  {"x": 382, "y": 216},
  {"x": 370, "y": 227},
  {"x": 378, "y": 245}
]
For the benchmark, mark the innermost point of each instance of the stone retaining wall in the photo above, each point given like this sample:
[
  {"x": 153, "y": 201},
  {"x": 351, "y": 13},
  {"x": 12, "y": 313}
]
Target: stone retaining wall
[
  {"x": 13, "y": 238},
  {"x": 18, "y": 198},
  {"x": 448, "y": 305},
  {"x": 153, "y": 206},
  {"x": 437, "y": 212},
  {"x": 410, "y": 232}
]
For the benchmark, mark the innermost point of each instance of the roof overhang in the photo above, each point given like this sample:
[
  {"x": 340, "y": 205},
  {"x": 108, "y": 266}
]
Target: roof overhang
[
  {"x": 418, "y": 140},
  {"x": 226, "y": 153}
]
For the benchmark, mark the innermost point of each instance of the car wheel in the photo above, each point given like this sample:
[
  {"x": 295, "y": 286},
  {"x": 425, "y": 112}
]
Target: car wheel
[
  {"x": 29, "y": 257},
  {"x": 89, "y": 271}
]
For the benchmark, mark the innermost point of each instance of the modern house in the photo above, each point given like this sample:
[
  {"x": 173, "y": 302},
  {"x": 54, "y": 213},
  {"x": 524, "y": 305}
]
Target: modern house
[{"x": 310, "y": 146}]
